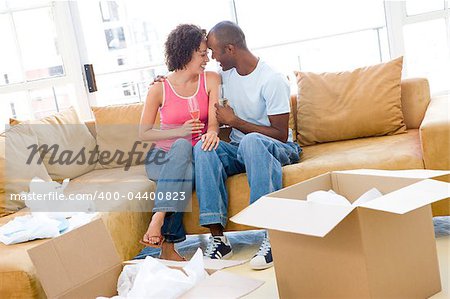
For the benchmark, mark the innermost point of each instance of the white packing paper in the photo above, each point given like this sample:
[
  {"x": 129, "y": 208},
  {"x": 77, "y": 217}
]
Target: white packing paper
[
  {"x": 329, "y": 198},
  {"x": 55, "y": 190},
  {"x": 155, "y": 280}
]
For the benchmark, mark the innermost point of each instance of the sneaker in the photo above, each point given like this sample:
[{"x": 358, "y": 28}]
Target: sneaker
[
  {"x": 263, "y": 258},
  {"x": 218, "y": 248}
]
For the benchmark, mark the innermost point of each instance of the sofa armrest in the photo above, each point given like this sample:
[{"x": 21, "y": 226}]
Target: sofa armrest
[
  {"x": 435, "y": 134},
  {"x": 415, "y": 99}
]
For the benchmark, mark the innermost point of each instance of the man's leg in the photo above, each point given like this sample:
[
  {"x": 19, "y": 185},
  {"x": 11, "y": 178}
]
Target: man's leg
[
  {"x": 212, "y": 168},
  {"x": 263, "y": 158}
]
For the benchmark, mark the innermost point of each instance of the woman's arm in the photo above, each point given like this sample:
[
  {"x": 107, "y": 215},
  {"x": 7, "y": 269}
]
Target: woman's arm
[
  {"x": 211, "y": 139},
  {"x": 147, "y": 132},
  {"x": 213, "y": 82}
]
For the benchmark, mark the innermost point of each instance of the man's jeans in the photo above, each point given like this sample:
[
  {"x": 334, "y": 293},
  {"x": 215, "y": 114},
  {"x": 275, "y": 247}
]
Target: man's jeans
[
  {"x": 260, "y": 156},
  {"x": 176, "y": 174}
]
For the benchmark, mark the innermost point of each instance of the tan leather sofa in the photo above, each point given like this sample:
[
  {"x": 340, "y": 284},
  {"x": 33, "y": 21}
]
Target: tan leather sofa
[{"x": 425, "y": 145}]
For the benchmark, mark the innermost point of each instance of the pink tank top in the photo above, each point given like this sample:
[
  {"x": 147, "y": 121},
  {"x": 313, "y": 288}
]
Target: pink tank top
[{"x": 175, "y": 111}]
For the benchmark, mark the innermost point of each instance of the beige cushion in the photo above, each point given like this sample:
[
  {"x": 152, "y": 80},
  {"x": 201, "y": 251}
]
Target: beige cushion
[
  {"x": 117, "y": 129},
  {"x": 16, "y": 173},
  {"x": 130, "y": 218},
  {"x": 347, "y": 105},
  {"x": 65, "y": 130}
]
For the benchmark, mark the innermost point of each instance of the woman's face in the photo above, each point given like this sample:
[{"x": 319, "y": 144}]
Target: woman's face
[{"x": 199, "y": 59}]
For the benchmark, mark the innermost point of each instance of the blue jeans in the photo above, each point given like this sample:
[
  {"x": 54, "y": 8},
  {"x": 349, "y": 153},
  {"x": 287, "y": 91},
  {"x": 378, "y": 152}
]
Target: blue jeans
[
  {"x": 174, "y": 176},
  {"x": 260, "y": 156}
]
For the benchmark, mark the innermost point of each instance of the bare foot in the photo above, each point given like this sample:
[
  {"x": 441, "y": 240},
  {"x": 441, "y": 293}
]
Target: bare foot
[
  {"x": 153, "y": 234},
  {"x": 168, "y": 252}
]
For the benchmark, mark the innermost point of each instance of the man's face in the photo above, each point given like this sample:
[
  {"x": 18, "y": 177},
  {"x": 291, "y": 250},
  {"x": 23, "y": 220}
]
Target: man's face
[{"x": 220, "y": 54}]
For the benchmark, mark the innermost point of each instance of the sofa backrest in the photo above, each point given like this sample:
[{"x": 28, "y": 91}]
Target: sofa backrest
[{"x": 415, "y": 99}]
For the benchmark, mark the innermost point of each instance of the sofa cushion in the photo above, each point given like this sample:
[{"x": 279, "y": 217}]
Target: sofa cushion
[
  {"x": 127, "y": 220},
  {"x": 401, "y": 151},
  {"x": 16, "y": 173},
  {"x": 65, "y": 130},
  {"x": 117, "y": 130},
  {"x": 347, "y": 105},
  {"x": 18, "y": 277}
]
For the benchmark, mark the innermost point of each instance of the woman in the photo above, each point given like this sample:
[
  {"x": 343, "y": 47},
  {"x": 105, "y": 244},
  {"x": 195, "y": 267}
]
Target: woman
[{"x": 186, "y": 58}]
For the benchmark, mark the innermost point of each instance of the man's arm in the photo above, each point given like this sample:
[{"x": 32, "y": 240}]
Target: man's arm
[{"x": 278, "y": 129}]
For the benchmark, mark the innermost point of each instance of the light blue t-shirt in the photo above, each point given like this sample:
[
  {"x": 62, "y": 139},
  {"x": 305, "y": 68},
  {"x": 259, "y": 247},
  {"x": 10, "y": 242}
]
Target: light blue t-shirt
[{"x": 253, "y": 97}]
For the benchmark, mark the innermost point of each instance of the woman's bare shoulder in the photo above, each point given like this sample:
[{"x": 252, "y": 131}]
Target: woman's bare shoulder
[
  {"x": 215, "y": 77},
  {"x": 155, "y": 92}
]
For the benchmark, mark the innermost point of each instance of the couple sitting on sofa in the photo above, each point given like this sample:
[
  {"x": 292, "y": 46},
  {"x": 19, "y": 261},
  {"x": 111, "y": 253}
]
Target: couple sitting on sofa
[{"x": 261, "y": 143}]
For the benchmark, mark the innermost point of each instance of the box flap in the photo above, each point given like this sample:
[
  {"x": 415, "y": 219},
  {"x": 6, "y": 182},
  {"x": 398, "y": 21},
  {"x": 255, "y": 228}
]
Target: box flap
[
  {"x": 74, "y": 259},
  {"x": 409, "y": 173},
  {"x": 295, "y": 216},
  {"x": 211, "y": 265},
  {"x": 411, "y": 197},
  {"x": 224, "y": 285}
]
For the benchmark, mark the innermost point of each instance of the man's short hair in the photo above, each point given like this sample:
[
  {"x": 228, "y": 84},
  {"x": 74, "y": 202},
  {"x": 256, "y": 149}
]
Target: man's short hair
[
  {"x": 226, "y": 33},
  {"x": 181, "y": 43}
]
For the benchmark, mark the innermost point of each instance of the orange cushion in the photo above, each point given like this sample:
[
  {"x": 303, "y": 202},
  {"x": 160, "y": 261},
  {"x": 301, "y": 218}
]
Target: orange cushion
[{"x": 346, "y": 105}]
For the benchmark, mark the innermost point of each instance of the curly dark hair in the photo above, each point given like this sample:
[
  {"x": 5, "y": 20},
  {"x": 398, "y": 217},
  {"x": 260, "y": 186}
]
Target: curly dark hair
[{"x": 181, "y": 43}]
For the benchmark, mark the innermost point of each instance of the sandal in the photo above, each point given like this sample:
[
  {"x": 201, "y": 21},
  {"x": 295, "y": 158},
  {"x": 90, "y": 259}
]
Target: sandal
[
  {"x": 154, "y": 244},
  {"x": 183, "y": 259}
]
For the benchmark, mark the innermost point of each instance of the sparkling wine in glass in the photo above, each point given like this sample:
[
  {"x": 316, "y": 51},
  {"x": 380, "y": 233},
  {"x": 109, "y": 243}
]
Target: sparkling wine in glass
[{"x": 194, "y": 109}]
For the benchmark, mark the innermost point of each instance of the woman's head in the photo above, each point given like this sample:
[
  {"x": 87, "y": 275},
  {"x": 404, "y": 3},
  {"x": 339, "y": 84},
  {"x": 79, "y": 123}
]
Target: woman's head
[{"x": 186, "y": 46}]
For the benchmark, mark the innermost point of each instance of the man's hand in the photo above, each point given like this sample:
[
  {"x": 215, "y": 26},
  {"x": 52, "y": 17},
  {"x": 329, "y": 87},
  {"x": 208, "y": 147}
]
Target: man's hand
[
  {"x": 225, "y": 115},
  {"x": 159, "y": 78}
]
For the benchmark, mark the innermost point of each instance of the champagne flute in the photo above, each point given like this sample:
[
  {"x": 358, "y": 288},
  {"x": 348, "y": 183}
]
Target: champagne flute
[
  {"x": 222, "y": 100},
  {"x": 194, "y": 110}
]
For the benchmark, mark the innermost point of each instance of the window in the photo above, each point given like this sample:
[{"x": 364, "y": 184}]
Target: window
[
  {"x": 423, "y": 27},
  {"x": 315, "y": 35},
  {"x": 34, "y": 81},
  {"x": 125, "y": 40}
]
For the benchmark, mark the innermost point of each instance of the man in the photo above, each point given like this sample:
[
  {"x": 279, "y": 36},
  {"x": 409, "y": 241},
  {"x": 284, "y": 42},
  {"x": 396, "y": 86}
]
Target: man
[{"x": 261, "y": 142}]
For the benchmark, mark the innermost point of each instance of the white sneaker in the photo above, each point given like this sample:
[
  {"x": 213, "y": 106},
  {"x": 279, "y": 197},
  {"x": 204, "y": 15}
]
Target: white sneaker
[
  {"x": 218, "y": 248},
  {"x": 263, "y": 258}
]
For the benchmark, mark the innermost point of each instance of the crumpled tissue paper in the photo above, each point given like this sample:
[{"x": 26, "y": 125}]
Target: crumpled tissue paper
[{"x": 152, "y": 279}]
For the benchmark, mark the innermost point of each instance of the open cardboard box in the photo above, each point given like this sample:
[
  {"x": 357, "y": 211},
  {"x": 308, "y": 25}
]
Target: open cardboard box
[
  {"x": 83, "y": 263},
  {"x": 384, "y": 248}
]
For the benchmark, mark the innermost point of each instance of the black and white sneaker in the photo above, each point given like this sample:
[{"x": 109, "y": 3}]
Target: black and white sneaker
[
  {"x": 263, "y": 258},
  {"x": 218, "y": 248}
]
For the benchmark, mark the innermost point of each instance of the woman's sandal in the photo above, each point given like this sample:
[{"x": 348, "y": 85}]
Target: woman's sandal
[
  {"x": 182, "y": 257},
  {"x": 159, "y": 244},
  {"x": 154, "y": 244}
]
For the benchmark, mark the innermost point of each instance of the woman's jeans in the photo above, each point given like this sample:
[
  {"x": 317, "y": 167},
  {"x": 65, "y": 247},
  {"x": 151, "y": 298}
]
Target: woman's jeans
[{"x": 174, "y": 175}]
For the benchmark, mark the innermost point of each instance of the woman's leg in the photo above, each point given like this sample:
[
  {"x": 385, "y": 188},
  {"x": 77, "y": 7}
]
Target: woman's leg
[{"x": 175, "y": 178}]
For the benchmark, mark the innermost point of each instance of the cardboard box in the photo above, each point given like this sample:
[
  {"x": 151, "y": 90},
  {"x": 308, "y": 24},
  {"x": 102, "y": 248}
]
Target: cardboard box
[
  {"x": 382, "y": 249},
  {"x": 83, "y": 263}
]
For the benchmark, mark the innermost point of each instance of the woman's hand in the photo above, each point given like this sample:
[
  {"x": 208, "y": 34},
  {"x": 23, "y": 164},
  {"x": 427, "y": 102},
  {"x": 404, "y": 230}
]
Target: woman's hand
[
  {"x": 191, "y": 127},
  {"x": 210, "y": 141}
]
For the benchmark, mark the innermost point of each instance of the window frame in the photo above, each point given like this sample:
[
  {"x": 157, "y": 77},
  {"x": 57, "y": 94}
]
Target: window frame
[
  {"x": 67, "y": 46},
  {"x": 397, "y": 18}
]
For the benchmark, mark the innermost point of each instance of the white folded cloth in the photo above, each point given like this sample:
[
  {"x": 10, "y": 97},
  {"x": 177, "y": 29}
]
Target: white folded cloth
[{"x": 29, "y": 227}]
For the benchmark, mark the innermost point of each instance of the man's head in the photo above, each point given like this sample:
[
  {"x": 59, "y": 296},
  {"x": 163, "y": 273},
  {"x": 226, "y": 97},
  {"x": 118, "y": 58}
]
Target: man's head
[{"x": 225, "y": 39}]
